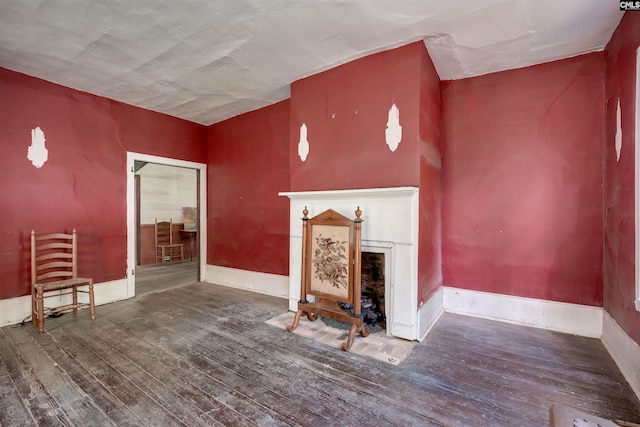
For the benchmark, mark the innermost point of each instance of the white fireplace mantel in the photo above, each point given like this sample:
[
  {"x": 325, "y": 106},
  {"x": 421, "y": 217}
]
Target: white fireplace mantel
[{"x": 390, "y": 226}]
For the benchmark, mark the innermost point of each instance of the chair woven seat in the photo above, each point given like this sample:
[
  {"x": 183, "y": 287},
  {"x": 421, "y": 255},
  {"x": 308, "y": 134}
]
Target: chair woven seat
[{"x": 62, "y": 284}]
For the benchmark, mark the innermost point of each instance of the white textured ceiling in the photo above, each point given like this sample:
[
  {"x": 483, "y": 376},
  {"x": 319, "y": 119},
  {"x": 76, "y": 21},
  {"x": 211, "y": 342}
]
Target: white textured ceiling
[{"x": 208, "y": 60}]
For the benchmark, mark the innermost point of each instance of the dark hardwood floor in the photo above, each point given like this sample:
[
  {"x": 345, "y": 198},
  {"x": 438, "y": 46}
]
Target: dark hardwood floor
[{"x": 202, "y": 354}]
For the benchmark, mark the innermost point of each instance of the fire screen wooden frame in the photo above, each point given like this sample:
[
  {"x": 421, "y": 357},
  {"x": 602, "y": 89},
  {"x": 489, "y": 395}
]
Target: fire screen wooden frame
[{"x": 331, "y": 256}]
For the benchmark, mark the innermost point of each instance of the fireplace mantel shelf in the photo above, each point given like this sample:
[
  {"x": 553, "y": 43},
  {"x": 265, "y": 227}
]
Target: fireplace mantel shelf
[{"x": 389, "y": 191}]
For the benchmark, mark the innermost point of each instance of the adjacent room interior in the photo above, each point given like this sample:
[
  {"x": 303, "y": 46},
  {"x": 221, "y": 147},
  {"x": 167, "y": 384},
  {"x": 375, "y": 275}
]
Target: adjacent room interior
[
  {"x": 165, "y": 194},
  {"x": 500, "y": 208}
]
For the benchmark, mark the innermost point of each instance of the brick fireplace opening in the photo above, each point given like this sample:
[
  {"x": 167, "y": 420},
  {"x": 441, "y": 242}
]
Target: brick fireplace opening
[{"x": 373, "y": 291}]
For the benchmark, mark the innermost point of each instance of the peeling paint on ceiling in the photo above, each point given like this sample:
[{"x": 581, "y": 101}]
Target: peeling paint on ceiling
[{"x": 207, "y": 60}]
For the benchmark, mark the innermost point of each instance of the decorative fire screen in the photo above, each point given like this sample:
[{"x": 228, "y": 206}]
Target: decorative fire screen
[{"x": 331, "y": 257}]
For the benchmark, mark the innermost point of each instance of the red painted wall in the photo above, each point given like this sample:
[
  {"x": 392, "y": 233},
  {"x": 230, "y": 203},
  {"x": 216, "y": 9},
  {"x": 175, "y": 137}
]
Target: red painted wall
[
  {"x": 619, "y": 187},
  {"x": 83, "y": 183},
  {"x": 522, "y": 181},
  {"x": 248, "y": 164},
  {"x": 346, "y": 110},
  {"x": 430, "y": 227}
]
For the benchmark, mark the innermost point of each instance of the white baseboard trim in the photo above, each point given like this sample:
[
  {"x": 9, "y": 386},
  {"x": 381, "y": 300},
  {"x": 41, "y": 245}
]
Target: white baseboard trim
[
  {"x": 624, "y": 351},
  {"x": 108, "y": 292},
  {"x": 263, "y": 283},
  {"x": 574, "y": 319},
  {"x": 15, "y": 310},
  {"x": 429, "y": 313}
]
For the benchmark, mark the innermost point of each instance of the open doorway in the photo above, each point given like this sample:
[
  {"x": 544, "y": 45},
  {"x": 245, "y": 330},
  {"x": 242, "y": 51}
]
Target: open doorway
[
  {"x": 165, "y": 194},
  {"x": 166, "y": 190}
]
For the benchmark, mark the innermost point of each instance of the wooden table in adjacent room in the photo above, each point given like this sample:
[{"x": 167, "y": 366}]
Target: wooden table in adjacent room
[{"x": 192, "y": 235}]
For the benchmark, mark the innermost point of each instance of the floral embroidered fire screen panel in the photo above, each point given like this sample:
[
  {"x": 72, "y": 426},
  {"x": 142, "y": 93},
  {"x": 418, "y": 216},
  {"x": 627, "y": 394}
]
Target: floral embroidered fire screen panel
[{"x": 330, "y": 260}]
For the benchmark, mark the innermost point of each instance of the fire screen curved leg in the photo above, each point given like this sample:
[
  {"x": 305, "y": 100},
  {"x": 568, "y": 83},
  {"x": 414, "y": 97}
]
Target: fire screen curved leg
[
  {"x": 296, "y": 320},
  {"x": 353, "y": 330},
  {"x": 346, "y": 346}
]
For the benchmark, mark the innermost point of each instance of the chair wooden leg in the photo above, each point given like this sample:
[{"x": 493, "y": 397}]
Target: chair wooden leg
[
  {"x": 75, "y": 300},
  {"x": 92, "y": 307},
  {"x": 34, "y": 307},
  {"x": 40, "y": 303}
]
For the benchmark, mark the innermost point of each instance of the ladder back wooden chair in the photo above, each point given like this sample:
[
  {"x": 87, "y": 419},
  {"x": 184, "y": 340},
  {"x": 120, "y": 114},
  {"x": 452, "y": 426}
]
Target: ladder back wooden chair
[
  {"x": 54, "y": 267},
  {"x": 166, "y": 250}
]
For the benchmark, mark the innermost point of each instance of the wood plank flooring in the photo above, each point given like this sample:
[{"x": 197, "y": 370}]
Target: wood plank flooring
[
  {"x": 160, "y": 277},
  {"x": 202, "y": 354}
]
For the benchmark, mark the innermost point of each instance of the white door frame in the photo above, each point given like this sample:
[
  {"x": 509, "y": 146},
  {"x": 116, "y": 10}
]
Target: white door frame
[{"x": 131, "y": 218}]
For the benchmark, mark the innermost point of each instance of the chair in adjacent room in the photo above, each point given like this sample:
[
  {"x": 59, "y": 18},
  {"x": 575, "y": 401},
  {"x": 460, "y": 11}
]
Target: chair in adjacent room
[
  {"x": 166, "y": 250},
  {"x": 54, "y": 267}
]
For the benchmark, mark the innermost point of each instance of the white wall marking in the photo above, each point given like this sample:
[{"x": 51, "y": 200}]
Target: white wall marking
[
  {"x": 393, "y": 133},
  {"x": 303, "y": 145},
  {"x": 37, "y": 152},
  {"x": 618, "y": 131}
]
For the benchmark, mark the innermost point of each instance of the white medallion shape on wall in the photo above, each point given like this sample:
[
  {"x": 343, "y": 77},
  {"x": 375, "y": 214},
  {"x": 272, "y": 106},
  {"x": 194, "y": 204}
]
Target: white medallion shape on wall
[
  {"x": 393, "y": 133},
  {"x": 618, "y": 131},
  {"x": 303, "y": 144},
  {"x": 37, "y": 153}
]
